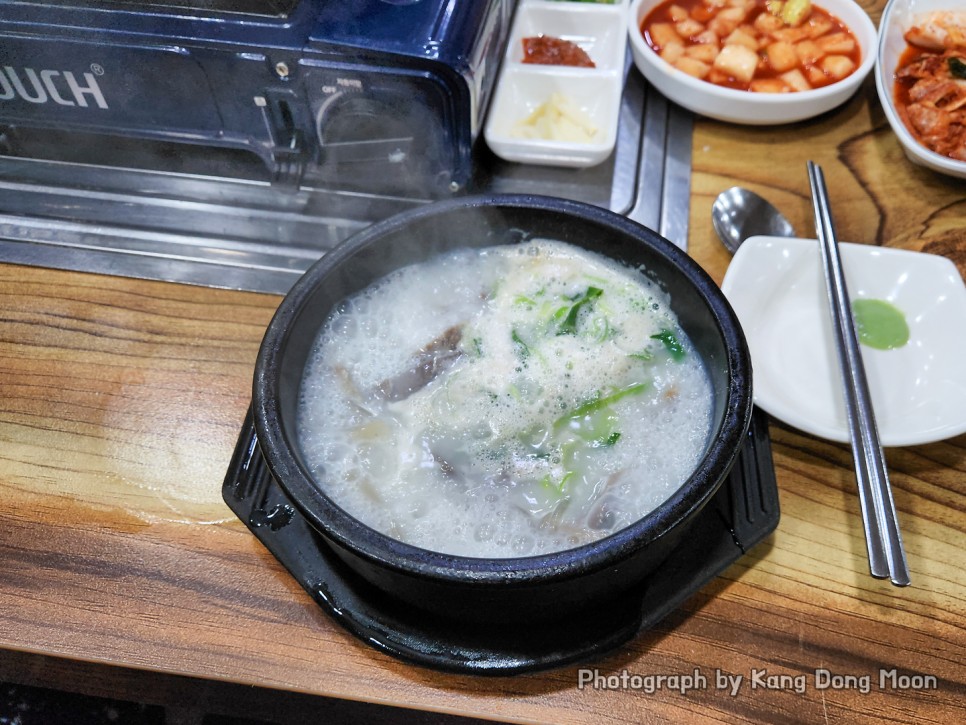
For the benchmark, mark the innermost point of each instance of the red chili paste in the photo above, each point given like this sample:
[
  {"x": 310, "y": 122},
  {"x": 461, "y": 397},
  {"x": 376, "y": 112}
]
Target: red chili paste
[{"x": 547, "y": 50}]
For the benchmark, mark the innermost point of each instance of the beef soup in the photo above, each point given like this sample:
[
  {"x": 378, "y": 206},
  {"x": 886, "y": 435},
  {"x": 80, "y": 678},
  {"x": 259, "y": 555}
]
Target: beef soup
[
  {"x": 504, "y": 401},
  {"x": 552, "y": 449}
]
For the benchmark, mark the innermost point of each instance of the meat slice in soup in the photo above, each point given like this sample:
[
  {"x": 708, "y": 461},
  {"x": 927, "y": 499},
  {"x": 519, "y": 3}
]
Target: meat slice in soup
[{"x": 426, "y": 365}]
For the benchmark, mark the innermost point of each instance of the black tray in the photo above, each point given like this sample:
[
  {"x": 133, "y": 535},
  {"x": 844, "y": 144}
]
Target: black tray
[{"x": 741, "y": 514}]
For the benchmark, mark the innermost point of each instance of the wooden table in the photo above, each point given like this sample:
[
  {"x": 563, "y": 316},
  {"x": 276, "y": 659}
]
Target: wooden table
[{"x": 122, "y": 572}]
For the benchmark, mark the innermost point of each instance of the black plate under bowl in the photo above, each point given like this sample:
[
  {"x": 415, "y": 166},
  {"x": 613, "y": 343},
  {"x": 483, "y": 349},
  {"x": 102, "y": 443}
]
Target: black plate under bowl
[{"x": 742, "y": 513}]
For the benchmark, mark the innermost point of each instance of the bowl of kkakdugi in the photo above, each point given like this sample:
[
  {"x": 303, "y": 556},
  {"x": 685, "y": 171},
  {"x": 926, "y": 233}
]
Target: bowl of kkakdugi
[
  {"x": 502, "y": 408},
  {"x": 753, "y": 61}
]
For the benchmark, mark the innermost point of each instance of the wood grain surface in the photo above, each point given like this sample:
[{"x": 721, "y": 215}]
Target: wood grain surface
[{"x": 120, "y": 403}]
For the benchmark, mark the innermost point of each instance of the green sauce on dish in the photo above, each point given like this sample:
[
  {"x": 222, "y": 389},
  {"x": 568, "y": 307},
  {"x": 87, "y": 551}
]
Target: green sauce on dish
[{"x": 880, "y": 324}]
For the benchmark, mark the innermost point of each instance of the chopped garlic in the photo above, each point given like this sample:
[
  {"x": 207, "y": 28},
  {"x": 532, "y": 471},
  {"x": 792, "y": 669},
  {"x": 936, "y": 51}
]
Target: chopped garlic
[{"x": 557, "y": 119}]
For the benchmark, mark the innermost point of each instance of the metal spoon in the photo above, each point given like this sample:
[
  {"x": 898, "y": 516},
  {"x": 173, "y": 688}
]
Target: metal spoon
[{"x": 740, "y": 213}]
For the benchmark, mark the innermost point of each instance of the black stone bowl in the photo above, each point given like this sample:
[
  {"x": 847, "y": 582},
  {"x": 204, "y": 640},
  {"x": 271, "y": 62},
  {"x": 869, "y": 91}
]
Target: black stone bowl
[{"x": 534, "y": 588}]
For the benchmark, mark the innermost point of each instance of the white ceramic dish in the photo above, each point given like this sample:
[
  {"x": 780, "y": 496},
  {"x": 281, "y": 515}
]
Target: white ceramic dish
[
  {"x": 745, "y": 107},
  {"x": 896, "y": 20},
  {"x": 777, "y": 288},
  {"x": 599, "y": 29}
]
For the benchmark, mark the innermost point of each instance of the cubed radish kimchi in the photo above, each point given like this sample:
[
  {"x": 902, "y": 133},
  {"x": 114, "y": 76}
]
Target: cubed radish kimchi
[{"x": 766, "y": 46}]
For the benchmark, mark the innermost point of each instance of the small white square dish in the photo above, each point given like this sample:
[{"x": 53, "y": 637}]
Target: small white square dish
[
  {"x": 560, "y": 115},
  {"x": 777, "y": 288},
  {"x": 534, "y": 113}
]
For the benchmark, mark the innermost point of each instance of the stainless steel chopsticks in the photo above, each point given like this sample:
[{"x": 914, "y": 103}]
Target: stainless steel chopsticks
[{"x": 887, "y": 556}]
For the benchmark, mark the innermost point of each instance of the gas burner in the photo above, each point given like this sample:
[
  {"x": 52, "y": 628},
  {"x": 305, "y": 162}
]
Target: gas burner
[
  {"x": 247, "y": 185},
  {"x": 365, "y": 96}
]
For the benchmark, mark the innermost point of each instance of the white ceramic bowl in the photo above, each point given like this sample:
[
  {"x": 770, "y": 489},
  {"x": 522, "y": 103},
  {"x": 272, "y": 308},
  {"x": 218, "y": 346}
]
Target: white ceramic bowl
[
  {"x": 896, "y": 19},
  {"x": 594, "y": 93},
  {"x": 777, "y": 288},
  {"x": 745, "y": 107}
]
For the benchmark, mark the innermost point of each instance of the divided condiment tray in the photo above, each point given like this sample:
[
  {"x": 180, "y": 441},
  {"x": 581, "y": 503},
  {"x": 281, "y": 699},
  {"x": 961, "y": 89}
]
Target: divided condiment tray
[{"x": 527, "y": 94}]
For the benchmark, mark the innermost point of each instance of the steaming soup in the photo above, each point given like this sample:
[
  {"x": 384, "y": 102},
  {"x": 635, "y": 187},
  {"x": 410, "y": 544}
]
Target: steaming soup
[{"x": 509, "y": 401}]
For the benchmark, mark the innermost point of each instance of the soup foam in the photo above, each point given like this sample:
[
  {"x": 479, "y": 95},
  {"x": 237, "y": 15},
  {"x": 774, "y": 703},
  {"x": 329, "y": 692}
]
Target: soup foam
[{"x": 503, "y": 402}]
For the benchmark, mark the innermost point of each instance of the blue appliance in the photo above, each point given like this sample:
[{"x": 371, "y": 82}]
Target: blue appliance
[{"x": 384, "y": 96}]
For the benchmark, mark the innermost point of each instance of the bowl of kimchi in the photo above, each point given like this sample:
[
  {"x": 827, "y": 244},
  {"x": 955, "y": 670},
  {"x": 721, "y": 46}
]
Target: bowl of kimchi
[
  {"x": 921, "y": 80},
  {"x": 753, "y": 62}
]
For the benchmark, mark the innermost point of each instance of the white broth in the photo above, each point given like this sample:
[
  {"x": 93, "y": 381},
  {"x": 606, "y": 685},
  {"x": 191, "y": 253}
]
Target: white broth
[{"x": 503, "y": 402}]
